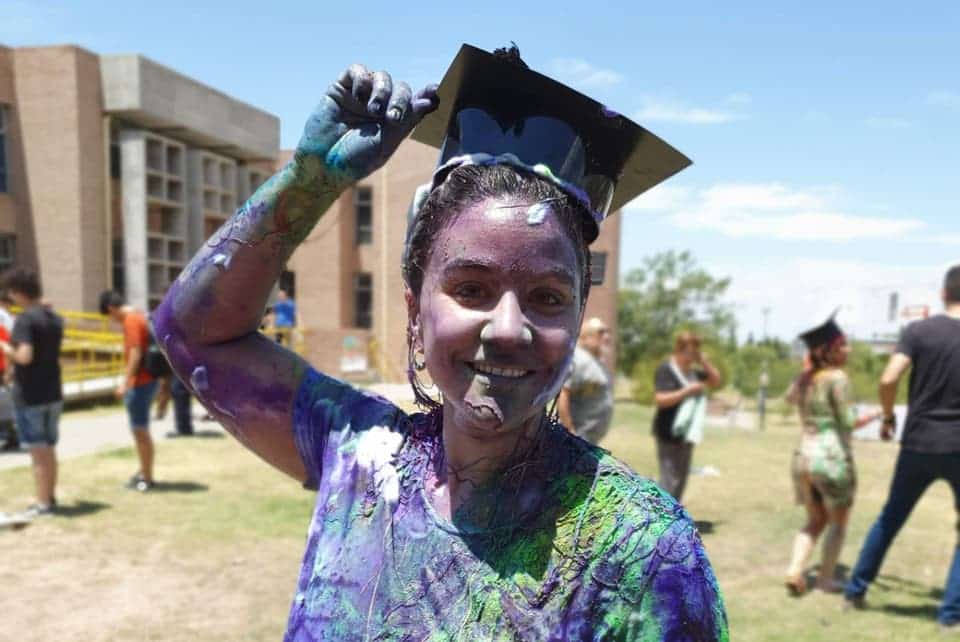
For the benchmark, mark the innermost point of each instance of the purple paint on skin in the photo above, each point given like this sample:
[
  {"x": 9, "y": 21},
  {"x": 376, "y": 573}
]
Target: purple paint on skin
[{"x": 522, "y": 317}]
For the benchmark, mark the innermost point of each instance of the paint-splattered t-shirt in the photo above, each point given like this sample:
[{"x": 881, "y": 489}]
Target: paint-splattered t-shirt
[{"x": 574, "y": 546}]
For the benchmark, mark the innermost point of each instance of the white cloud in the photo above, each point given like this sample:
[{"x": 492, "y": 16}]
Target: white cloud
[
  {"x": 671, "y": 110},
  {"x": 772, "y": 211},
  {"x": 662, "y": 197},
  {"x": 581, "y": 73},
  {"x": 948, "y": 239},
  {"x": 738, "y": 98},
  {"x": 944, "y": 98},
  {"x": 887, "y": 122},
  {"x": 801, "y": 292}
]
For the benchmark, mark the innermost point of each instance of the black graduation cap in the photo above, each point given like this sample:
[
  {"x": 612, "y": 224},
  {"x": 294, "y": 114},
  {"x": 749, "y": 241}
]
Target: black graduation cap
[
  {"x": 494, "y": 105},
  {"x": 823, "y": 334}
]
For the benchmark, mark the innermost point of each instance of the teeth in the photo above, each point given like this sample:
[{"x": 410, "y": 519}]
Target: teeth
[{"x": 513, "y": 373}]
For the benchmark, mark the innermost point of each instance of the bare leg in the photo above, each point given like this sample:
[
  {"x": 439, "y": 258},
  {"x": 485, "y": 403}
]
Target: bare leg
[
  {"x": 803, "y": 545},
  {"x": 145, "y": 452},
  {"x": 832, "y": 545},
  {"x": 162, "y": 399},
  {"x": 44, "y": 473}
]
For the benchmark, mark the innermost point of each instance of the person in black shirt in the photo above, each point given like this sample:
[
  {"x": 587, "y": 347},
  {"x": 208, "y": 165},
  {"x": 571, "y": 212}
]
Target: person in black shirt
[
  {"x": 34, "y": 349},
  {"x": 930, "y": 445},
  {"x": 686, "y": 374}
]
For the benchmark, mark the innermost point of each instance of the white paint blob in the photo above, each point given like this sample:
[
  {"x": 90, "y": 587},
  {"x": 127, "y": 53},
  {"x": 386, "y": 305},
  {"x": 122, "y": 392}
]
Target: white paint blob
[
  {"x": 198, "y": 379},
  {"x": 376, "y": 449},
  {"x": 222, "y": 261},
  {"x": 537, "y": 212}
]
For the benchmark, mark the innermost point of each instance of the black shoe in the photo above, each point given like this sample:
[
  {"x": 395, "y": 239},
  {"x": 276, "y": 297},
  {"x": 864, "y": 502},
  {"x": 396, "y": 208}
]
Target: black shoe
[
  {"x": 11, "y": 446},
  {"x": 854, "y": 602},
  {"x": 139, "y": 484}
]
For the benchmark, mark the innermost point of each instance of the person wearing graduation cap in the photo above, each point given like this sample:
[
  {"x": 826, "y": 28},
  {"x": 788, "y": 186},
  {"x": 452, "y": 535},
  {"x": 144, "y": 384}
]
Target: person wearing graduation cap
[
  {"x": 479, "y": 518},
  {"x": 823, "y": 471}
]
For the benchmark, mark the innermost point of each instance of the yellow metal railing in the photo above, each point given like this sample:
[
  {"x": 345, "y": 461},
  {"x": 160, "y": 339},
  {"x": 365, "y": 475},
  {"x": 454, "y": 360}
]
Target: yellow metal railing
[{"x": 93, "y": 346}]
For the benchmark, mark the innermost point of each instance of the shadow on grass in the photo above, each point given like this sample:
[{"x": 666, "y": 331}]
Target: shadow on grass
[
  {"x": 178, "y": 487},
  {"x": 198, "y": 434},
  {"x": 894, "y": 583},
  {"x": 924, "y": 611},
  {"x": 80, "y": 508},
  {"x": 706, "y": 527}
]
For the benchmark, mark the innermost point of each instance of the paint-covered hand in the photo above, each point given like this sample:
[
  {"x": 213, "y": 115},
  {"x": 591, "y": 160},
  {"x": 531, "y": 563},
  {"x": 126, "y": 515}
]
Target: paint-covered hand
[{"x": 361, "y": 120}]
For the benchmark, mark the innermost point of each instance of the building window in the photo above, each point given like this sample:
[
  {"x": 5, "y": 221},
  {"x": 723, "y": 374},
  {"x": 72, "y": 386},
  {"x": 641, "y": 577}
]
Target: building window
[
  {"x": 119, "y": 273},
  {"x": 115, "y": 164},
  {"x": 363, "y": 206},
  {"x": 3, "y": 148},
  {"x": 598, "y": 267},
  {"x": 8, "y": 251},
  {"x": 362, "y": 300}
]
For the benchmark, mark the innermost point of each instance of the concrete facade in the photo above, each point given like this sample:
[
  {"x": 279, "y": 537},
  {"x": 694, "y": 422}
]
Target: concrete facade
[{"x": 98, "y": 187}]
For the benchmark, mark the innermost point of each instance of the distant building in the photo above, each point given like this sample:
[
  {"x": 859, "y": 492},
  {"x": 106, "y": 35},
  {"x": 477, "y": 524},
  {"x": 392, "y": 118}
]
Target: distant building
[{"x": 113, "y": 169}]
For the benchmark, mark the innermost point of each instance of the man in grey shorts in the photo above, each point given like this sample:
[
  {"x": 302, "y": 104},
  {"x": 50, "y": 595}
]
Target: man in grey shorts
[
  {"x": 34, "y": 350},
  {"x": 586, "y": 399}
]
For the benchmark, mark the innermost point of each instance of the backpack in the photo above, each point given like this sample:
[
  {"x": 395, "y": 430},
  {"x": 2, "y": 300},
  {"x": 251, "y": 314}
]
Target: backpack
[{"x": 153, "y": 360}]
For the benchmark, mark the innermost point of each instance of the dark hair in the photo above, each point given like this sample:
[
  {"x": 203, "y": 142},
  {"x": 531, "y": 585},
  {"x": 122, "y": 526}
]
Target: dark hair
[
  {"x": 951, "y": 284},
  {"x": 25, "y": 282},
  {"x": 470, "y": 184},
  {"x": 110, "y": 299}
]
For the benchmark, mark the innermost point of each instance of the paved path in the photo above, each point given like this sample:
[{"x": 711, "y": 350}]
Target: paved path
[{"x": 86, "y": 432}]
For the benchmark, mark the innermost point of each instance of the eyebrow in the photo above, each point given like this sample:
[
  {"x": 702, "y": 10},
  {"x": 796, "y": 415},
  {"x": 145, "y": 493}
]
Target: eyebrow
[{"x": 558, "y": 272}]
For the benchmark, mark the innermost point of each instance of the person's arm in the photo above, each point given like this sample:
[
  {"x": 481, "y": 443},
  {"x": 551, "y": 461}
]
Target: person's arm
[
  {"x": 674, "y": 397},
  {"x": 666, "y": 391},
  {"x": 132, "y": 367},
  {"x": 897, "y": 366},
  {"x": 21, "y": 355},
  {"x": 713, "y": 380},
  {"x": 207, "y": 323},
  {"x": 563, "y": 409}
]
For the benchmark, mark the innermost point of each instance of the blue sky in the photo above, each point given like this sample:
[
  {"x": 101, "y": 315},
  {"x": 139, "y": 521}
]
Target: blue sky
[{"x": 824, "y": 136}]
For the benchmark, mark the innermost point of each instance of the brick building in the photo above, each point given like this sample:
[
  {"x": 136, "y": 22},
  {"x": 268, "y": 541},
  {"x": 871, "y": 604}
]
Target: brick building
[{"x": 114, "y": 169}]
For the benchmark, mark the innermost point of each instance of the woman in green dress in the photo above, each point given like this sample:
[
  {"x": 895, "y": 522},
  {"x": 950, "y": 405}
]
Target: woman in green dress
[{"x": 824, "y": 475}]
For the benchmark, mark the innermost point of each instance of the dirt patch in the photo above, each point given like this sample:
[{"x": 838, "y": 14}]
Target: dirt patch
[{"x": 73, "y": 586}]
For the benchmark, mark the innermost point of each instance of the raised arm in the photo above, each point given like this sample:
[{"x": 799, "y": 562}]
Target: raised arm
[{"x": 207, "y": 323}]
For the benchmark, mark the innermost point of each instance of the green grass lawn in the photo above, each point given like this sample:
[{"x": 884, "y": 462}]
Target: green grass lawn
[
  {"x": 754, "y": 520},
  {"x": 215, "y": 553}
]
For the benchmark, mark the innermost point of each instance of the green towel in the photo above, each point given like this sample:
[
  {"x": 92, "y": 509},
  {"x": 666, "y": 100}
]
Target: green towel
[{"x": 691, "y": 416}]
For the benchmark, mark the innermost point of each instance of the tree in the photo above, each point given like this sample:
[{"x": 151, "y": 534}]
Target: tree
[
  {"x": 670, "y": 292},
  {"x": 750, "y": 360}
]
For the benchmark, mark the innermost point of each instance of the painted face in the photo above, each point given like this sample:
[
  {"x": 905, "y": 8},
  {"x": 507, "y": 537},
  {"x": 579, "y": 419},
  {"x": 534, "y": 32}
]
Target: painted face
[{"x": 499, "y": 314}]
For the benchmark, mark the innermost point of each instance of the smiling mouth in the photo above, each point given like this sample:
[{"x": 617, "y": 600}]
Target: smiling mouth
[{"x": 509, "y": 373}]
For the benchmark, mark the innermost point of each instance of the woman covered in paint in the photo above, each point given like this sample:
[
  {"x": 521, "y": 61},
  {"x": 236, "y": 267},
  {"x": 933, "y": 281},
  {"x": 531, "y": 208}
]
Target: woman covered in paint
[
  {"x": 823, "y": 471},
  {"x": 481, "y": 518}
]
